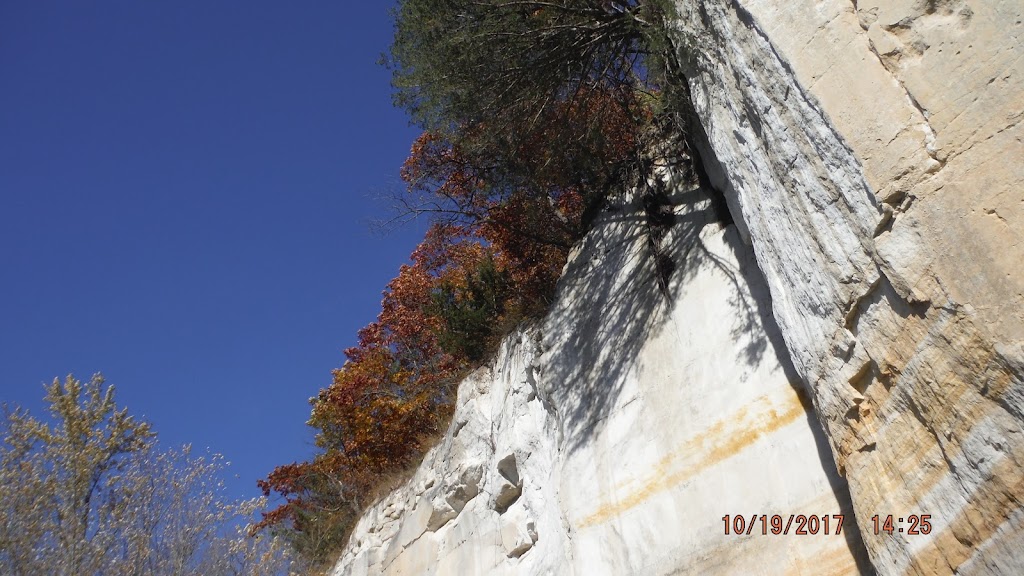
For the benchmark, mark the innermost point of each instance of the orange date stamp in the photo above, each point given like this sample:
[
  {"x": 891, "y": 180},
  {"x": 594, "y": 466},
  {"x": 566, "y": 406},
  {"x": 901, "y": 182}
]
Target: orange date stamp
[{"x": 778, "y": 524}]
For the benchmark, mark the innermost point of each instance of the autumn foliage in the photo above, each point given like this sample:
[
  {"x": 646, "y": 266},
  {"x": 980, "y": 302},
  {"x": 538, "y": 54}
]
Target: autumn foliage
[
  {"x": 508, "y": 193},
  {"x": 502, "y": 228},
  {"x": 393, "y": 392}
]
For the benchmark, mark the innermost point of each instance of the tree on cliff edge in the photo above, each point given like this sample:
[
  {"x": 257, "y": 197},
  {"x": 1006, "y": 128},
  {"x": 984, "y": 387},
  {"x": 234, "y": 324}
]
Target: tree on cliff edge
[
  {"x": 504, "y": 81},
  {"x": 458, "y": 63}
]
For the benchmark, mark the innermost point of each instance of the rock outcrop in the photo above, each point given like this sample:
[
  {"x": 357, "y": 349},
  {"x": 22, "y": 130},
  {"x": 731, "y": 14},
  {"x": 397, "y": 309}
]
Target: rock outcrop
[
  {"x": 853, "y": 345},
  {"x": 873, "y": 152},
  {"x": 613, "y": 437}
]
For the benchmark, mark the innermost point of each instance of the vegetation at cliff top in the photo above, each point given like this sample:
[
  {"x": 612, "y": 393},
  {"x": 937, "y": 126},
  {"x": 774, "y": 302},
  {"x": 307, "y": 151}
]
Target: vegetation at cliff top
[{"x": 533, "y": 112}]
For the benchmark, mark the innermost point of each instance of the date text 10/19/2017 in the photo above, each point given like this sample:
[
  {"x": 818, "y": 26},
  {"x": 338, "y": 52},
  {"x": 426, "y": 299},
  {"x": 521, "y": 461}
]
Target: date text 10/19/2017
[
  {"x": 799, "y": 524},
  {"x": 825, "y": 524}
]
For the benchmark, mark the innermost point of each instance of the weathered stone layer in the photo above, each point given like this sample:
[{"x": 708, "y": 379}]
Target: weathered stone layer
[{"x": 873, "y": 151}]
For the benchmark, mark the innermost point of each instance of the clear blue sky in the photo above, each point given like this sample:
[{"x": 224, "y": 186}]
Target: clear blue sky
[{"x": 185, "y": 191}]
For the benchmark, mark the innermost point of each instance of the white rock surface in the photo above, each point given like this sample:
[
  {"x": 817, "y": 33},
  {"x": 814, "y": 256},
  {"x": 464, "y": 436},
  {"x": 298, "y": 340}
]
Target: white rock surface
[
  {"x": 873, "y": 156},
  {"x": 613, "y": 437},
  {"x": 873, "y": 151}
]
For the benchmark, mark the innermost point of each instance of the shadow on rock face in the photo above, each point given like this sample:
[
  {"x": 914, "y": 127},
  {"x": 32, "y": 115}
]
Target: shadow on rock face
[
  {"x": 611, "y": 304},
  {"x": 613, "y": 295}
]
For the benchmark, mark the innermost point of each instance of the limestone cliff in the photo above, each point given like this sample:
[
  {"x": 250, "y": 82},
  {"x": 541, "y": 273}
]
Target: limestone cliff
[
  {"x": 873, "y": 151},
  {"x": 613, "y": 437},
  {"x": 853, "y": 345}
]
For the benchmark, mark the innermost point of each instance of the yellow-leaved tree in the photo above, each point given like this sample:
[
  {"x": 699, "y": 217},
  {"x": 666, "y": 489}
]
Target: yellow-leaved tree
[{"x": 89, "y": 492}]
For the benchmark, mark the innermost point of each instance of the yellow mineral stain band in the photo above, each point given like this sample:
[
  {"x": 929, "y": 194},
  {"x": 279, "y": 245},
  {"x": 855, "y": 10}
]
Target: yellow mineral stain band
[{"x": 730, "y": 442}]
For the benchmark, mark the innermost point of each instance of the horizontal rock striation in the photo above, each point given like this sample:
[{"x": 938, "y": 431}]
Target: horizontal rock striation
[{"x": 873, "y": 154}]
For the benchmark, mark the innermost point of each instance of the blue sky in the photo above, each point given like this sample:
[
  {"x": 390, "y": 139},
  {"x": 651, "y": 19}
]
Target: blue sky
[{"x": 185, "y": 197}]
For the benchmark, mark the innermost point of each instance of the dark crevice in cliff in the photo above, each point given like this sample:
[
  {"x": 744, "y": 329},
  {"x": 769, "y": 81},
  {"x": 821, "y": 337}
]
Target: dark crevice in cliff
[
  {"x": 703, "y": 162},
  {"x": 718, "y": 202},
  {"x": 713, "y": 176}
]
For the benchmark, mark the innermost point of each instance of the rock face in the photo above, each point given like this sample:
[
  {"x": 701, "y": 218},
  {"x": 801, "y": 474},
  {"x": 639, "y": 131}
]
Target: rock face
[
  {"x": 615, "y": 436},
  {"x": 853, "y": 345},
  {"x": 873, "y": 151}
]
